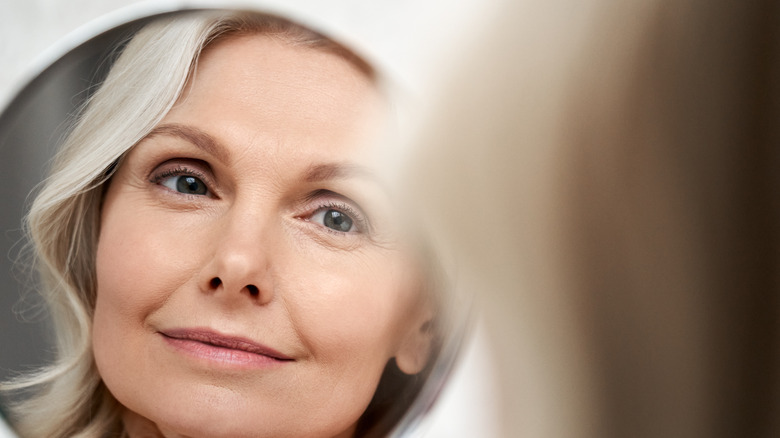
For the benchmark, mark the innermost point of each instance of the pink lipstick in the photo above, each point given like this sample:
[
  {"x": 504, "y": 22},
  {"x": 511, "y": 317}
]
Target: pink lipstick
[{"x": 222, "y": 349}]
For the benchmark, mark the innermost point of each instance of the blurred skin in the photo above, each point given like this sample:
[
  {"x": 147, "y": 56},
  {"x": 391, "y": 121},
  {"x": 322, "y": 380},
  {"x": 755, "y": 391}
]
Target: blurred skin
[{"x": 250, "y": 281}]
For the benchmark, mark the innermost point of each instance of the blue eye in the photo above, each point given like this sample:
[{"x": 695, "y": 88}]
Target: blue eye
[
  {"x": 334, "y": 219},
  {"x": 187, "y": 184}
]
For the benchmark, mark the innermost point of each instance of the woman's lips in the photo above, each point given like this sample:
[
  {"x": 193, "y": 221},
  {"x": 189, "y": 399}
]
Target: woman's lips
[{"x": 216, "y": 347}]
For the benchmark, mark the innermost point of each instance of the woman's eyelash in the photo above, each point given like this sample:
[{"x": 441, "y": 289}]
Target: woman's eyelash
[
  {"x": 360, "y": 220},
  {"x": 177, "y": 171},
  {"x": 160, "y": 178}
]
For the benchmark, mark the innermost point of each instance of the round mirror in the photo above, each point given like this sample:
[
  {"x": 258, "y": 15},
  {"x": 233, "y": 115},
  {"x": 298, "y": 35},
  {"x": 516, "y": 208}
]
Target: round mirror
[{"x": 217, "y": 235}]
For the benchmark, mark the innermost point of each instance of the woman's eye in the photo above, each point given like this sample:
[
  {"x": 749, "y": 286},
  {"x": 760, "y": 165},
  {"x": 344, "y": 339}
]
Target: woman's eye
[
  {"x": 334, "y": 219},
  {"x": 187, "y": 184}
]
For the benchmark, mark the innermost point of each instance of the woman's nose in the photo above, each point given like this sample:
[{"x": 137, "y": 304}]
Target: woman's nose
[{"x": 240, "y": 265}]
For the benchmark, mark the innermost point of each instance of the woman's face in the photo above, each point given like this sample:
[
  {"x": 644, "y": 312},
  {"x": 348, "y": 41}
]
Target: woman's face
[{"x": 251, "y": 281}]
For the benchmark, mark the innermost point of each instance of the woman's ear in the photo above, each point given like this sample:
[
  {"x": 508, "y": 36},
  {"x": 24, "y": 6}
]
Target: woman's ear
[{"x": 414, "y": 352}]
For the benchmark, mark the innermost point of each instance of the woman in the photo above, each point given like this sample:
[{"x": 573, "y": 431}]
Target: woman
[{"x": 220, "y": 254}]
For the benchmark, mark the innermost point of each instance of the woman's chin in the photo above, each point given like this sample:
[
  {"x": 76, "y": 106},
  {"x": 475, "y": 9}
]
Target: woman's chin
[{"x": 195, "y": 421}]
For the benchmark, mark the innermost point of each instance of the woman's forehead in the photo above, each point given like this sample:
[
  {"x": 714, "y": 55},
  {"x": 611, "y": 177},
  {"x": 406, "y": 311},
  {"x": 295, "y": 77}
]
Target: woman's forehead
[
  {"x": 276, "y": 54},
  {"x": 258, "y": 90}
]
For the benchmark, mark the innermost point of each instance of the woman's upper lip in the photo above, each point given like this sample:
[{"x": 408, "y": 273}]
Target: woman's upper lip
[{"x": 211, "y": 337}]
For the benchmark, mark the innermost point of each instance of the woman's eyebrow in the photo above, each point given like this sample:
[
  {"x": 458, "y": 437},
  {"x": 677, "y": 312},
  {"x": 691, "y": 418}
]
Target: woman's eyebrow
[
  {"x": 331, "y": 171},
  {"x": 196, "y": 137},
  {"x": 339, "y": 171}
]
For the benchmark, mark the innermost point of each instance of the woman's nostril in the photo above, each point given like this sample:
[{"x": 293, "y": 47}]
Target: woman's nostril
[
  {"x": 253, "y": 290},
  {"x": 215, "y": 282}
]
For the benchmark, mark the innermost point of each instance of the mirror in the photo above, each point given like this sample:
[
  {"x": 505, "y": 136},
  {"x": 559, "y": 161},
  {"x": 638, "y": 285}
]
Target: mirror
[{"x": 151, "y": 224}]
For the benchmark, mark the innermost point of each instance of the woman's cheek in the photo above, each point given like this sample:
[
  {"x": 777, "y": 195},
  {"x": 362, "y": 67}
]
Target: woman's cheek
[
  {"x": 356, "y": 310},
  {"x": 126, "y": 273}
]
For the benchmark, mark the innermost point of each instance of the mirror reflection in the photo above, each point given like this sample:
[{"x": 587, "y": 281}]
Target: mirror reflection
[{"x": 219, "y": 250}]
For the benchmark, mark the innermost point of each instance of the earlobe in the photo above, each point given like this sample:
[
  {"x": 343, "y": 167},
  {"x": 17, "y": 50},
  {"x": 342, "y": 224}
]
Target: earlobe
[{"x": 414, "y": 353}]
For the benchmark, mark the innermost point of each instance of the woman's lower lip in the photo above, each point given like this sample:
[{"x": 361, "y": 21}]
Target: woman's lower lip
[{"x": 221, "y": 356}]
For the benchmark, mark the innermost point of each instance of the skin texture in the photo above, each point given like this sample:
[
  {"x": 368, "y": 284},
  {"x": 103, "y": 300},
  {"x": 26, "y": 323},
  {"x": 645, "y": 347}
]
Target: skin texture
[{"x": 245, "y": 251}]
